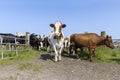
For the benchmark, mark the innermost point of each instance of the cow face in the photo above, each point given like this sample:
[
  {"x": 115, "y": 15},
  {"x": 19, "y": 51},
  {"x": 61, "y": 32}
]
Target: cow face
[
  {"x": 58, "y": 28},
  {"x": 109, "y": 42},
  {"x": 66, "y": 42}
]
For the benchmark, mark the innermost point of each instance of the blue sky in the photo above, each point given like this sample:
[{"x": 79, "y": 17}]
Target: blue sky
[{"x": 80, "y": 16}]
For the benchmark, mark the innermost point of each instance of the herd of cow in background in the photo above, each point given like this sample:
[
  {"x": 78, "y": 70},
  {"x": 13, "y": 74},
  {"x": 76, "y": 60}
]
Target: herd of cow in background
[{"x": 57, "y": 42}]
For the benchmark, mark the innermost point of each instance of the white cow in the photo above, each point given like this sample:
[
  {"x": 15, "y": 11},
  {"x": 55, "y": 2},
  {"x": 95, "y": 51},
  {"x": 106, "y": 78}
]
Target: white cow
[
  {"x": 67, "y": 44},
  {"x": 19, "y": 34},
  {"x": 56, "y": 39}
]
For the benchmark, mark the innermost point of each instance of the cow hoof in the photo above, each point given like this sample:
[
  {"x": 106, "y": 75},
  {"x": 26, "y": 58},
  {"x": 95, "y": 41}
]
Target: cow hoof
[
  {"x": 55, "y": 61},
  {"x": 90, "y": 60}
]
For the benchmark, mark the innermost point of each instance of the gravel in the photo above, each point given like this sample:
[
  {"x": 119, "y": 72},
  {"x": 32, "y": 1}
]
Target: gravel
[{"x": 67, "y": 69}]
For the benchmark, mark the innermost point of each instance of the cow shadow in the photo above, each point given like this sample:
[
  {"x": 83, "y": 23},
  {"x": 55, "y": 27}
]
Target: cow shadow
[
  {"x": 66, "y": 55},
  {"x": 83, "y": 55},
  {"x": 46, "y": 57}
]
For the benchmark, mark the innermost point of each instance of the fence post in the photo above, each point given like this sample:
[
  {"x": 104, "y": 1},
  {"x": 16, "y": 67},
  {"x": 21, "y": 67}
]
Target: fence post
[
  {"x": 27, "y": 40},
  {"x": 103, "y": 33},
  {"x": 2, "y": 55}
]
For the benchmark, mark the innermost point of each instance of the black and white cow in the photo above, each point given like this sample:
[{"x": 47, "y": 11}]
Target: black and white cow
[
  {"x": 34, "y": 41},
  {"x": 56, "y": 39},
  {"x": 37, "y": 41}
]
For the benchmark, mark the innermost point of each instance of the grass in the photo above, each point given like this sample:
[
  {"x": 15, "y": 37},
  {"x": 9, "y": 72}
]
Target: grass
[
  {"x": 103, "y": 54},
  {"x": 30, "y": 66},
  {"x": 23, "y": 55}
]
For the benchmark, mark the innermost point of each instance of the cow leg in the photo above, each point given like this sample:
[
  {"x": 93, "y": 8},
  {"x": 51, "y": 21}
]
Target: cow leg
[
  {"x": 75, "y": 52},
  {"x": 93, "y": 52},
  {"x": 81, "y": 49},
  {"x": 56, "y": 53},
  {"x": 68, "y": 50},
  {"x": 51, "y": 49},
  {"x": 59, "y": 56},
  {"x": 41, "y": 44},
  {"x": 77, "y": 55},
  {"x": 90, "y": 51}
]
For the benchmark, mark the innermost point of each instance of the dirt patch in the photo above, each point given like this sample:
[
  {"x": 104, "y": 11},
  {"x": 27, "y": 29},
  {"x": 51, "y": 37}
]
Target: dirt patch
[{"x": 67, "y": 69}]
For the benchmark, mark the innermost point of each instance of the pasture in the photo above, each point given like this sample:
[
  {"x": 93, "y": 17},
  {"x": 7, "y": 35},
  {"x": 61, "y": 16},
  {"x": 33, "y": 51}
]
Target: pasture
[
  {"x": 39, "y": 65},
  {"x": 23, "y": 55},
  {"x": 103, "y": 54}
]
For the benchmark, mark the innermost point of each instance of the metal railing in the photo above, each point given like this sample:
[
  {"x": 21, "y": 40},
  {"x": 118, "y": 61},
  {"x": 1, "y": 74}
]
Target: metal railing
[{"x": 11, "y": 48}]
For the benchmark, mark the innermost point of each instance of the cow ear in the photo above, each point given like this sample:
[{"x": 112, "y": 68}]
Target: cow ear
[
  {"x": 52, "y": 25},
  {"x": 63, "y": 25},
  {"x": 107, "y": 36}
]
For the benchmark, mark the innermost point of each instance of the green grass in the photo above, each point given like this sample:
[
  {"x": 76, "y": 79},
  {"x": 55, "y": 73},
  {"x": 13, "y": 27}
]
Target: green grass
[
  {"x": 102, "y": 54},
  {"x": 23, "y": 55}
]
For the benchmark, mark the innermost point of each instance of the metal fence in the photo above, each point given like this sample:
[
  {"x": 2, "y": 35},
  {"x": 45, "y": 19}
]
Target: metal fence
[
  {"x": 117, "y": 46},
  {"x": 11, "y": 50},
  {"x": 117, "y": 43}
]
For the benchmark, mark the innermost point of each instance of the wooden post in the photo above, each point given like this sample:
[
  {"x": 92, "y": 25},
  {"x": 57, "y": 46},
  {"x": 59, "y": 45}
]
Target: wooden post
[
  {"x": 1, "y": 39},
  {"x": 103, "y": 33},
  {"x": 27, "y": 40}
]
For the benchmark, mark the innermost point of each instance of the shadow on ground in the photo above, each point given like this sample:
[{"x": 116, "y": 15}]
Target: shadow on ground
[
  {"x": 46, "y": 57},
  {"x": 82, "y": 56}
]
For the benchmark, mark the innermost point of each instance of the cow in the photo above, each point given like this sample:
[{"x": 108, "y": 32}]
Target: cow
[
  {"x": 34, "y": 41},
  {"x": 46, "y": 43},
  {"x": 90, "y": 41},
  {"x": 19, "y": 34},
  {"x": 56, "y": 39},
  {"x": 10, "y": 40},
  {"x": 67, "y": 44},
  {"x": 40, "y": 41}
]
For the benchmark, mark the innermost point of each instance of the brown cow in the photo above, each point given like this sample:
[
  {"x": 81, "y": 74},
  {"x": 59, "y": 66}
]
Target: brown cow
[{"x": 91, "y": 41}]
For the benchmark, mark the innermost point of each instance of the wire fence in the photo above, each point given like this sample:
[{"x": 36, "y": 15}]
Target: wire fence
[
  {"x": 11, "y": 49},
  {"x": 117, "y": 46}
]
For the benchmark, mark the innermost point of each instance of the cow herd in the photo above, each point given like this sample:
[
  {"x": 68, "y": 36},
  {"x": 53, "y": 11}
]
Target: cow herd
[
  {"x": 57, "y": 42},
  {"x": 89, "y": 40}
]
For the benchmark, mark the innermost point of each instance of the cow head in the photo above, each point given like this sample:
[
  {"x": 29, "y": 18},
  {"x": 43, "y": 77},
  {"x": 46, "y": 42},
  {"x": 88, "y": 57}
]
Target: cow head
[
  {"x": 57, "y": 28},
  {"x": 109, "y": 42},
  {"x": 66, "y": 42}
]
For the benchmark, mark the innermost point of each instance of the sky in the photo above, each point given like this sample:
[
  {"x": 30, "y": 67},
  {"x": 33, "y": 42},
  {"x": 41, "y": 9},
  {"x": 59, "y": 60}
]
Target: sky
[{"x": 80, "y": 16}]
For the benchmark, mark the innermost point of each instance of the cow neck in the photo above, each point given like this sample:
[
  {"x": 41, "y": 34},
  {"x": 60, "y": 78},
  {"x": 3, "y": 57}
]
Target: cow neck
[{"x": 102, "y": 41}]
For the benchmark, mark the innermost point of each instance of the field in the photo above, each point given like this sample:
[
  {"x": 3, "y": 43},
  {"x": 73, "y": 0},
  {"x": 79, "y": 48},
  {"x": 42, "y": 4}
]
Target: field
[
  {"x": 103, "y": 54},
  {"x": 39, "y": 65}
]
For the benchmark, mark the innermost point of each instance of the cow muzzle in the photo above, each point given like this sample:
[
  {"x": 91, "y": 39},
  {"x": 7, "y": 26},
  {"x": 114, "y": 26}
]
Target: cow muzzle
[{"x": 56, "y": 37}]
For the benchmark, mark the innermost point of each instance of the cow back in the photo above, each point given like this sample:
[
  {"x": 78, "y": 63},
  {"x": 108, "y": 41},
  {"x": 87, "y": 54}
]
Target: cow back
[{"x": 86, "y": 39}]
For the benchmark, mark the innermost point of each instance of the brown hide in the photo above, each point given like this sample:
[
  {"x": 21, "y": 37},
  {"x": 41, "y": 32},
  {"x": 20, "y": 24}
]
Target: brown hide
[
  {"x": 86, "y": 40},
  {"x": 91, "y": 41}
]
